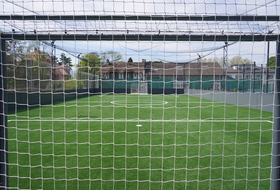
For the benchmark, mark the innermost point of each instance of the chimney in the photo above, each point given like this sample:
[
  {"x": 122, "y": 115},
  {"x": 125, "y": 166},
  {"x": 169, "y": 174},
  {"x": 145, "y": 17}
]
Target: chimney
[{"x": 107, "y": 61}]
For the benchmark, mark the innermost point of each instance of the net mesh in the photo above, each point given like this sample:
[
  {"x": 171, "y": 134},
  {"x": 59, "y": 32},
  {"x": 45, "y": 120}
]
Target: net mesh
[{"x": 127, "y": 111}]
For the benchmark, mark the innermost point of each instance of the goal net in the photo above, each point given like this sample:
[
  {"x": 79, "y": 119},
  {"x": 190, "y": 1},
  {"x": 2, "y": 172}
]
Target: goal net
[{"x": 138, "y": 95}]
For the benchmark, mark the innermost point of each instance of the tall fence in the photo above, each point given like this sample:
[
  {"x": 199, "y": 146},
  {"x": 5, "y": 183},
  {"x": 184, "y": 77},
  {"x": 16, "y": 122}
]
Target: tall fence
[{"x": 246, "y": 85}]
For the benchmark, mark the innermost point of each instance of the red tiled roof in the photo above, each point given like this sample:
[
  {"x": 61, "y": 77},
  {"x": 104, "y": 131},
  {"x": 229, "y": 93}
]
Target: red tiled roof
[
  {"x": 58, "y": 70},
  {"x": 165, "y": 69},
  {"x": 121, "y": 67}
]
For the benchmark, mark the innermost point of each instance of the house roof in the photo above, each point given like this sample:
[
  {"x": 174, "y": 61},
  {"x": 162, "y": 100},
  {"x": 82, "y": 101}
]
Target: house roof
[
  {"x": 121, "y": 67},
  {"x": 37, "y": 53},
  {"x": 60, "y": 70},
  {"x": 192, "y": 69},
  {"x": 164, "y": 69},
  {"x": 238, "y": 69}
]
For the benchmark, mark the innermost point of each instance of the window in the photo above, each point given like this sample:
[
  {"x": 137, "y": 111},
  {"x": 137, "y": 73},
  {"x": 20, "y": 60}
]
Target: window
[
  {"x": 180, "y": 78},
  {"x": 128, "y": 75},
  {"x": 113, "y": 75}
]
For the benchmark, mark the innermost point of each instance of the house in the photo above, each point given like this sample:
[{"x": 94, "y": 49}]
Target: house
[
  {"x": 122, "y": 70},
  {"x": 37, "y": 70},
  {"x": 184, "y": 71},
  {"x": 249, "y": 71},
  {"x": 175, "y": 71},
  {"x": 58, "y": 72},
  {"x": 249, "y": 78},
  {"x": 180, "y": 74},
  {"x": 205, "y": 75}
]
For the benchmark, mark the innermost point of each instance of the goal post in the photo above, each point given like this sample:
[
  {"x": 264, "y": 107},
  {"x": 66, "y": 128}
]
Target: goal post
[
  {"x": 153, "y": 124},
  {"x": 276, "y": 129},
  {"x": 3, "y": 117}
]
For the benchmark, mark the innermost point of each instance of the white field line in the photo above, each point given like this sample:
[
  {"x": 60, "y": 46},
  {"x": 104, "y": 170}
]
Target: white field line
[
  {"x": 124, "y": 101},
  {"x": 140, "y": 103},
  {"x": 87, "y": 102},
  {"x": 141, "y": 120},
  {"x": 115, "y": 95},
  {"x": 124, "y": 94}
]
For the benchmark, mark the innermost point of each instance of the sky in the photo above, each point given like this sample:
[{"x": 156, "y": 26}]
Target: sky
[
  {"x": 174, "y": 51},
  {"x": 152, "y": 51}
]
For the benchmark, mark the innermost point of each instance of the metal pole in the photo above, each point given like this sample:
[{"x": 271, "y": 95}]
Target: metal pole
[
  {"x": 254, "y": 76},
  {"x": 185, "y": 79},
  {"x": 275, "y": 184},
  {"x": 225, "y": 55},
  {"x": 267, "y": 69},
  {"x": 53, "y": 66},
  {"x": 30, "y": 77},
  {"x": 261, "y": 81},
  {"x": 199, "y": 69},
  {"x": 243, "y": 77},
  {"x": 3, "y": 118},
  {"x": 52, "y": 74}
]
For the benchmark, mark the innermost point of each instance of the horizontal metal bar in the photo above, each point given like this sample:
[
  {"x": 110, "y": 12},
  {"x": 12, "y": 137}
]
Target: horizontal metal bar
[
  {"x": 145, "y": 17},
  {"x": 140, "y": 37}
]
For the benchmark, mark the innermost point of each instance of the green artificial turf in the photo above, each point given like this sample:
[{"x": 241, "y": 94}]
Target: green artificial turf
[{"x": 184, "y": 143}]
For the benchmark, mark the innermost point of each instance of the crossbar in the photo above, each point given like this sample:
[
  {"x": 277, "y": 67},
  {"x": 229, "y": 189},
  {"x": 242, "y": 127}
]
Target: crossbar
[
  {"x": 145, "y": 17},
  {"x": 139, "y": 37}
]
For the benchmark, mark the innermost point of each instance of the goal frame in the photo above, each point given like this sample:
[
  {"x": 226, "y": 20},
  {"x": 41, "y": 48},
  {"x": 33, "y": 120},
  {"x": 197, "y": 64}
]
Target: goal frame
[{"x": 275, "y": 182}]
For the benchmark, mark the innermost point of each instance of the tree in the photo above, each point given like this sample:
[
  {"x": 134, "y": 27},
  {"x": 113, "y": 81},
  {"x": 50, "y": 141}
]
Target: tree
[
  {"x": 15, "y": 54},
  {"x": 63, "y": 60},
  {"x": 27, "y": 63},
  {"x": 130, "y": 60},
  {"x": 238, "y": 60},
  {"x": 89, "y": 63},
  {"x": 215, "y": 59},
  {"x": 33, "y": 45},
  {"x": 15, "y": 51},
  {"x": 112, "y": 56},
  {"x": 272, "y": 62}
]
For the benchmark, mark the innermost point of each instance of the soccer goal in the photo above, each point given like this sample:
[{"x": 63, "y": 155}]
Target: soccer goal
[{"x": 139, "y": 94}]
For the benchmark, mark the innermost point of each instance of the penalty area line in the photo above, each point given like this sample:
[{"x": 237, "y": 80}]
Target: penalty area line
[{"x": 142, "y": 120}]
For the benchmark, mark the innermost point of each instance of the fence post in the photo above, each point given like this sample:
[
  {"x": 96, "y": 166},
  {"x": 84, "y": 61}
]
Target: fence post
[
  {"x": 276, "y": 129},
  {"x": 3, "y": 117}
]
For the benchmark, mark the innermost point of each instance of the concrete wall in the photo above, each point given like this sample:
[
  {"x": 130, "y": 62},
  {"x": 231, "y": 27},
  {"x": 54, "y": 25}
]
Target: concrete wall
[{"x": 259, "y": 101}]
